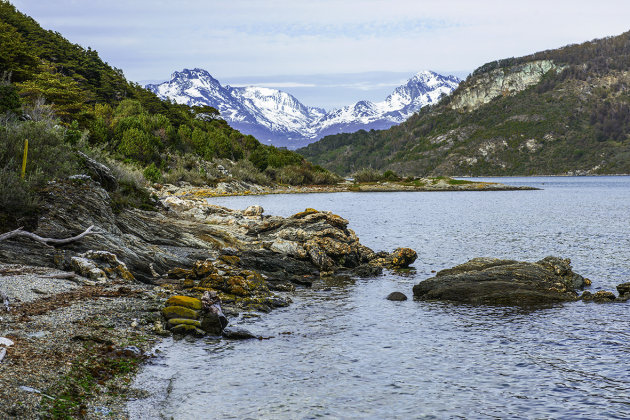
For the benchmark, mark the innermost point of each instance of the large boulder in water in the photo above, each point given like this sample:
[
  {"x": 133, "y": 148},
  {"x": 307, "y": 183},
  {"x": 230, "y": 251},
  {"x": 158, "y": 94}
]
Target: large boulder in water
[{"x": 504, "y": 282}]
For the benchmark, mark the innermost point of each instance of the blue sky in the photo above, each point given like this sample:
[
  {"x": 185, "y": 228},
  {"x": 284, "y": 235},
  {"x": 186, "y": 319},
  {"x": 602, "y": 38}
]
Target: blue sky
[{"x": 326, "y": 52}]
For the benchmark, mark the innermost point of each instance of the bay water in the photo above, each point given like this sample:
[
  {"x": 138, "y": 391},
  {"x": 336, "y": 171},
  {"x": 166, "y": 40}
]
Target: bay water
[{"x": 341, "y": 350}]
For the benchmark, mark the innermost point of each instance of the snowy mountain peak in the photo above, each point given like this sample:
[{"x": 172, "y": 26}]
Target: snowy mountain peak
[{"x": 281, "y": 119}]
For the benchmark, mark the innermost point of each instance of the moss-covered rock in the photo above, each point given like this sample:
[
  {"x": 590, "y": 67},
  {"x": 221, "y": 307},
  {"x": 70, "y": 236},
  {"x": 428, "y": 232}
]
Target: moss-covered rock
[
  {"x": 231, "y": 260},
  {"x": 623, "y": 289},
  {"x": 178, "y": 321},
  {"x": 185, "y": 301},
  {"x": 179, "y": 312},
  {"x": 602, "y": 296},
  {"x": 304, "y": 213},
  {"x": 203, "y": 268},
  {"x": 403, "y": 257},
  {"x": 188, "y": 329}
]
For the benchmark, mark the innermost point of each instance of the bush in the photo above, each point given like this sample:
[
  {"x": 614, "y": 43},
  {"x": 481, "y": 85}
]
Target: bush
[
  {"x": 291, "y": 175},
  {"x": 246, "y": 171},
  {"x": 367, "y": 175},
  {"x": 390, "y": 176},
  {"x": 152, "y": 173},
  {"x": 9, "y": 99},
  {"x": 303, "y": 175},
  {"x": 138, "y": 145},
  {"x": 18, "y": 202},
  {"x": 48, "y": 158}
]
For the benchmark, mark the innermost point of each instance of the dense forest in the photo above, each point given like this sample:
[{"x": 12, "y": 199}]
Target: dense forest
[
  {"x": 575, "y": 120},
  {"x": 64, "y": 99}
]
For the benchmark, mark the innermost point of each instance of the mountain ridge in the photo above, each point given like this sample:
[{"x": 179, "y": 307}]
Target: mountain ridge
[
  {"x": 560, "y": 112},
  {"x": 277, "y": 117}
]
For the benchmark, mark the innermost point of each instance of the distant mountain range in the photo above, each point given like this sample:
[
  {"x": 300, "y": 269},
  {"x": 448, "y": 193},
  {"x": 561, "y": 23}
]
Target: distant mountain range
[
  {"x": 564, "y": 111},
  {"x": 278, "y": 118}
]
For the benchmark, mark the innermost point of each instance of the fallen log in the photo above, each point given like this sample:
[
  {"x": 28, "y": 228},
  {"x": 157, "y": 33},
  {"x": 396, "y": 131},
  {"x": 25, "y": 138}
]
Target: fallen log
[{"x": 47, "y": 241}]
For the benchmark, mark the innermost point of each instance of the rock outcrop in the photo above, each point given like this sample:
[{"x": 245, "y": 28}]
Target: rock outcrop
[
  {"x": 501, "y": 81},
  {"x": 504, "y": 282},
  {"x": 242, "y": 255}
]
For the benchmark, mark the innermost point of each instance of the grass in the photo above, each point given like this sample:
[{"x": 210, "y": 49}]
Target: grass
[
  {"x": 459, "y": 182},
  {"x": 72, "y": 392}
]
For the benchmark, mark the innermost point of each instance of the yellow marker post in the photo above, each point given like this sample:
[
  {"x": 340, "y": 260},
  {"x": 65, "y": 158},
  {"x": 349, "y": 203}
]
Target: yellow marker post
[{"x": 24, "y": 159}]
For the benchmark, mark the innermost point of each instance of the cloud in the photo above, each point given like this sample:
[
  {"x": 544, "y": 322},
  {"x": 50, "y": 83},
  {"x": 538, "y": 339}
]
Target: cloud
[
  {"x": 279, "y": 85},
  {"x": 236, "y": 38}
]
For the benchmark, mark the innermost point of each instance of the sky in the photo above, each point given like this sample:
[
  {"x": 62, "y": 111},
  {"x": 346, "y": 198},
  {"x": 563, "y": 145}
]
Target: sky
[{"x": 327, "y": 53}]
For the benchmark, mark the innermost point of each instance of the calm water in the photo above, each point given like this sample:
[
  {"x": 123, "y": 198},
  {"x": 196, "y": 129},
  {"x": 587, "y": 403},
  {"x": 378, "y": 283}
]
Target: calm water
[{"x": 342, "y": 351}]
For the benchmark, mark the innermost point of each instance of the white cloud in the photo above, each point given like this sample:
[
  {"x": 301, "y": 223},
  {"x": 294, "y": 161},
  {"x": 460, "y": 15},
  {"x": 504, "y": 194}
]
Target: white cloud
[
  {"x": 279, "y": 85},
  {"x": 151, "y": 39}
]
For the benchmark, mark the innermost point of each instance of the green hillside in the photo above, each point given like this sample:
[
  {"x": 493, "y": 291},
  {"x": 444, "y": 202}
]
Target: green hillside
[
  {"x": 64, "y": 99},
  {"x": 554, "y": 112}
]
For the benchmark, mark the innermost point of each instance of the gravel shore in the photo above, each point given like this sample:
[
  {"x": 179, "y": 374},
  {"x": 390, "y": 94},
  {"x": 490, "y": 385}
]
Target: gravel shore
[{"x": 76, "y": 344}]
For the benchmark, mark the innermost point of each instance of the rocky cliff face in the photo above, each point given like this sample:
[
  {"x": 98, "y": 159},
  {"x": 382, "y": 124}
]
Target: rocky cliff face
[{"x": 500, "y": 82}]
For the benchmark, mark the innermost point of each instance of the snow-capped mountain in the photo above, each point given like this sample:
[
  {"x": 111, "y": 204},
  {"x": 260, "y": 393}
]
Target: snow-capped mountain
[{"x": 276, "y": 117}]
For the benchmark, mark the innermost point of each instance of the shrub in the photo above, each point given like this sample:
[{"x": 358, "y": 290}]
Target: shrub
[
  {"x": 195, "y": 176},
  {"x": 48, "y": 158},
  {"x": 18, "y": 202},
  {"x": 246, "y": 171},
  {"x": 367, "y": 175},
  {"x": 138, "y": 145},
  {"x": 152, "y": 173},
  {"x": 303, "y": 175},
  {"x": 390, "y": 176},
  {"x": 292, "y": 175},
  {"x": 9, "y": 98}
]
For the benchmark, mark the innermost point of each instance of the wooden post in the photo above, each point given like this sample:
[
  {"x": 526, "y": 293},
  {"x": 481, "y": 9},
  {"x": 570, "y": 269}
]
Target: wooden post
[{"x": 24, "y": 158}]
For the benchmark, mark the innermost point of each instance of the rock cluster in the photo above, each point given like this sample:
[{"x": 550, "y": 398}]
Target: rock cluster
[
  {"x": 242, "y": 288},
  {"x": 495, "y": 281},
  {"x": 604, "y": 296},
  {"x": 188, "y": 315},
  {"x": 400, "y": 258},
  {"x": 100, "y": 266}
]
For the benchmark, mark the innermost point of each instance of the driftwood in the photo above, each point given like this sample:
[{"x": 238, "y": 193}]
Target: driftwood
[{"x": 47, "y": 241}]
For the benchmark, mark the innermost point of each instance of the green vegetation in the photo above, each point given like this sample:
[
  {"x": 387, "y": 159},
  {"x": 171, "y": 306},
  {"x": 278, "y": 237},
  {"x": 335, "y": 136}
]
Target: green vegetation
[
  {"x": 372, "y": 175},
  {"x": 574, "y": 119},
  {"x": 98, "y": 365},
  {"x": 63, "y": 98}
]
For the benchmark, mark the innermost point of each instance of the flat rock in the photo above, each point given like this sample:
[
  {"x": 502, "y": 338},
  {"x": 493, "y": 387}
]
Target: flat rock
[
  {"x": 504, "y": 282},
  {"x": 237, "y": 333}
]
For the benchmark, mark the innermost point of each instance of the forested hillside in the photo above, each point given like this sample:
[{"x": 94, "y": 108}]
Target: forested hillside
[
  {"x": 560, "y": 111},
  {"x": 63, "y": 98}
]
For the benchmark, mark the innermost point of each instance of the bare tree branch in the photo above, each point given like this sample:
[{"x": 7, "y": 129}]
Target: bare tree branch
[{"x": 47, "y": 241}]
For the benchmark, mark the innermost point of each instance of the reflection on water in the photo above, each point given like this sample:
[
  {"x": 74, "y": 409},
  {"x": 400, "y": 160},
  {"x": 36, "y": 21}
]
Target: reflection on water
[{"x": 343, "y": 351}]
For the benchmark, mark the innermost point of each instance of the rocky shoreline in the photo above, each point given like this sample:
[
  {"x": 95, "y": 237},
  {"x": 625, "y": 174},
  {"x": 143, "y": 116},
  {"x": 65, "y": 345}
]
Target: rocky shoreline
[
  {"x": 83, "y": 315},
  {"x": 235, "y": 188}
]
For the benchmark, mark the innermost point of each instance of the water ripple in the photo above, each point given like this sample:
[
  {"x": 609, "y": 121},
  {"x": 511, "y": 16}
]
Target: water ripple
[{"x": 353, "y": 354}]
